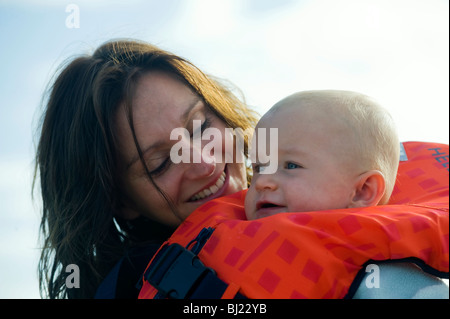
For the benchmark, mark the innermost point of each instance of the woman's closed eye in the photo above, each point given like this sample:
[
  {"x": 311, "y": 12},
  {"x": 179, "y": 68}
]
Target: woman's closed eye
[
  {"x": 165, "y": 164},
  {"x": 166, "y": 161}
]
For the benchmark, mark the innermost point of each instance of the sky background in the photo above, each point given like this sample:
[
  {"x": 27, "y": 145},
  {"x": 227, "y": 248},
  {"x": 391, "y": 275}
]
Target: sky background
[{"x": 394, "y": 50}]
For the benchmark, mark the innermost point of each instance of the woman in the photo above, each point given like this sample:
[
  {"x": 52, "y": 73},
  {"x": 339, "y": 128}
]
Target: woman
[{"x": 107, "y": 182}]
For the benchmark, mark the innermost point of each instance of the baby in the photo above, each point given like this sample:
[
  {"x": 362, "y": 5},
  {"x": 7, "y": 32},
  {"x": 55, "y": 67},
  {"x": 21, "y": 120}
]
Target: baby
[{"x": 336, "y": 149}]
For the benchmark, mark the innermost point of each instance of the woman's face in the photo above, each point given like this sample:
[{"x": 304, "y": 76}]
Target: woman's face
[{"x": 162, "y": 103}]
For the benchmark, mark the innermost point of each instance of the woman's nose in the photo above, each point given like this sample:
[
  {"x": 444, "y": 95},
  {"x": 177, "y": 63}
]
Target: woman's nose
[{"x": 201, "y": 164}]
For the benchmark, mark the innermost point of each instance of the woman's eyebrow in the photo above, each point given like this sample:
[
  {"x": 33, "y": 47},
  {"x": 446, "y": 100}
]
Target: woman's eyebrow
[
  {"x": 183, "y": 119},
  {"x": 186, "y": 115}
]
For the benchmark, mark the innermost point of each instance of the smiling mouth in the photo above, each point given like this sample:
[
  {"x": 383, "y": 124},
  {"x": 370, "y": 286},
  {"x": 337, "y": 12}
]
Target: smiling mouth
[
  {"x": 267, "y": 205},
  {"x": 265, "y": 209},
  {"x": 210, "y": 190}
]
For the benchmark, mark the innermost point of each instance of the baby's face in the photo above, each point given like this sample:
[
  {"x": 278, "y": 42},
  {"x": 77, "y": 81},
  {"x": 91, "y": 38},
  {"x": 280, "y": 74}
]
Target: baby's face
[{"x": 313, "y": 170}]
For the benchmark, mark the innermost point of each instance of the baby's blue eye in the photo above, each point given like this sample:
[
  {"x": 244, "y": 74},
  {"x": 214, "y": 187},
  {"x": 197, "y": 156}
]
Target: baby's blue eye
[{"x": 292, "y": 166}]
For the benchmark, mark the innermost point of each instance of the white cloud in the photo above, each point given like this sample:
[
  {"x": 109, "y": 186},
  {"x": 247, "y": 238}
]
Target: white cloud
[{"x": 396, "y": 51}]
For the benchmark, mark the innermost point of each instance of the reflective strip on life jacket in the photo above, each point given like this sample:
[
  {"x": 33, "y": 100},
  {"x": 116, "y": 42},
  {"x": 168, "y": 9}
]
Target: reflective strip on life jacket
[{"x": 318, "y": 254}]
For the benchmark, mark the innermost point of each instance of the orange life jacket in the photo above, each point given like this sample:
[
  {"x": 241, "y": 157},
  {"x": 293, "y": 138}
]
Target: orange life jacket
[{"x": 319, "y": 254}]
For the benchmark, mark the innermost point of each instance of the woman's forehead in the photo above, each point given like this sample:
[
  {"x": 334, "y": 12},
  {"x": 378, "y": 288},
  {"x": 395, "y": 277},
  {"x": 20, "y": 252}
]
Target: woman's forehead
[{"x": 158, "y": 90}]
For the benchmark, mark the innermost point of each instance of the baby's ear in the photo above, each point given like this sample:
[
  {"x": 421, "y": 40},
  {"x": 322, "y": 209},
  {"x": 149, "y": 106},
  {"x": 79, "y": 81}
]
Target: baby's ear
[{"x": 369, "y": 189}]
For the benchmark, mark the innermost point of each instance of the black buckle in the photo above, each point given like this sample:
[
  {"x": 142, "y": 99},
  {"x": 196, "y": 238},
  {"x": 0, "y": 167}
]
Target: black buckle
[{"x": 176, "y": 271}]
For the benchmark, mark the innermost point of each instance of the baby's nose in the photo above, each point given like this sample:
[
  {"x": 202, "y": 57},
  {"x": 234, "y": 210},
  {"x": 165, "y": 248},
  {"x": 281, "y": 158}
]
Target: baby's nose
[{"x": 265, "y": 182}]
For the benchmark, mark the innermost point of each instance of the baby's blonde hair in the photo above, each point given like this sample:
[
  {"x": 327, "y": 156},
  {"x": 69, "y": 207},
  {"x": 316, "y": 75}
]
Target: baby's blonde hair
[{"x": 377, "y": 137}]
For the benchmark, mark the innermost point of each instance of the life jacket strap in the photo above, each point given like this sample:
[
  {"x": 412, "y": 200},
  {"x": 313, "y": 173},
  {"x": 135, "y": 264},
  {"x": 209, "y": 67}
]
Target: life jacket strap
[{"x": 178, "y": 273}]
